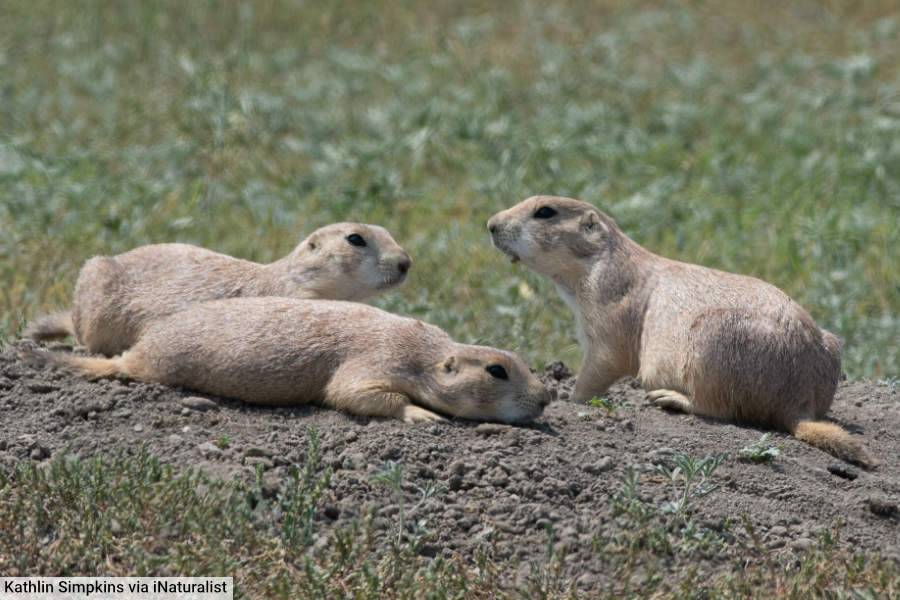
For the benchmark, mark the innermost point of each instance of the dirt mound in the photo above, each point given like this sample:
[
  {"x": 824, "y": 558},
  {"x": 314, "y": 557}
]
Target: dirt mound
[{"x": 565, "y": 479}]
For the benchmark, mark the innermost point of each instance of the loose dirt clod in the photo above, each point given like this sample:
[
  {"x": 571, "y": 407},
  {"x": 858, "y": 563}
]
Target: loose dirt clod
[
  {"x": 882, "y": 507},
  {"x": 843, "y": 471}
]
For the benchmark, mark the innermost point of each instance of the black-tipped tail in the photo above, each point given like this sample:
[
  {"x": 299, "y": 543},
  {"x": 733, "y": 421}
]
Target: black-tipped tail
[{"x": 54, "y": 326}]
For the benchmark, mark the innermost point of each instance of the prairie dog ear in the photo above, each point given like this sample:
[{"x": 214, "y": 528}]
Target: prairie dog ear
[
  {"x": 591, "y": 222},
  {"x": 450, "y": 365},
  {"x": 312, "y": 242}
]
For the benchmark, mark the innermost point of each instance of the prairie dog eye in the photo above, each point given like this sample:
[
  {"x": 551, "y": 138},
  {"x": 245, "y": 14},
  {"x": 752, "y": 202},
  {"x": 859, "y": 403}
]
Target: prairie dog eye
[
  {"x": 356, "y": 240},
  {"x": 545, "y": 212},
  {"x": 497, "y": 371}
]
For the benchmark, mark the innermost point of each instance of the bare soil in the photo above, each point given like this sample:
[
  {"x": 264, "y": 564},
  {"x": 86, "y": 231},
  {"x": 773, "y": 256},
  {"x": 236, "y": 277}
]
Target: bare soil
[{"x": 505, "y": 487}]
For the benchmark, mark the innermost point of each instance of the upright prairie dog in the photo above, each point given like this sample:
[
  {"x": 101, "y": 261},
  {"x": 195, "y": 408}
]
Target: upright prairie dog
[
  {"x": 116, "y": 296},
  {"x": 352, "y": 357},
  {"x": 700, "y": 340}
]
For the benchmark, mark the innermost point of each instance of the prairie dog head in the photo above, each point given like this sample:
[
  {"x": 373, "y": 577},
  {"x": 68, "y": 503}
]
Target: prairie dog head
[
  {"x": 486, "y": 384},
  {"x": 557, "y": 237},
  {"x": 349, "y": 261}
]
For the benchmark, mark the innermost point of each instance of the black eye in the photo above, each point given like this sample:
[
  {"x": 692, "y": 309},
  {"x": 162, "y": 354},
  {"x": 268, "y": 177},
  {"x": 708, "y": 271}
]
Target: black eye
[
  {"x": 356, "y": 240},
  {"x": 544, "y": 212},
  {"x": 497, "y": 371}
]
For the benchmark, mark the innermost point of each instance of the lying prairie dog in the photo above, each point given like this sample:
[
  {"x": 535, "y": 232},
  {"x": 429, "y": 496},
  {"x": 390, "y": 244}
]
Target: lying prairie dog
[
  {"x": 700, "y": 340},
  {"x": 116, "y": 296},
  {"x": 348, "y": 356}
]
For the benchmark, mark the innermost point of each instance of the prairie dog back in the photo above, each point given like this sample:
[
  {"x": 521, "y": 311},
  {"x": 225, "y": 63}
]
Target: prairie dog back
[
  {"x": 267, "y": 348},
  {"x": 115, "y": 296},
  {"x": 353, "y": 357}
]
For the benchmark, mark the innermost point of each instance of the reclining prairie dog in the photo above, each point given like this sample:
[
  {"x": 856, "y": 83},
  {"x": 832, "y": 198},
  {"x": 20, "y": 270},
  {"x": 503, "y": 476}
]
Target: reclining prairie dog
[
  {"x": 352, "y": 357},
  {"x": 700, "y": 340},
  {"x": 115, "y": 296}
]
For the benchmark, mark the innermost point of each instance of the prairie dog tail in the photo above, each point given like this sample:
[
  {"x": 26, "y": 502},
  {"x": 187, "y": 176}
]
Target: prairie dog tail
[
  {"x": 51, "y": 327},
  {"x": 835, "y": 441},
  {"x": 86, "y": 366},
  {"x": 94, "y": 368}
]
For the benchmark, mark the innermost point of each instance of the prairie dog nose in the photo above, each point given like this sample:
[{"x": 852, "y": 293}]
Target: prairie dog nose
[
  {"x": 492, "y": 224},
  {"x": 401, "y": 260},
  {"x": 545, "y": 398}
]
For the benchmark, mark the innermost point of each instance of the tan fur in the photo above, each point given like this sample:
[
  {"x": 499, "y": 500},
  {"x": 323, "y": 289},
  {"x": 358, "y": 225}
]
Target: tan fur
[
  {"x": 116, "y": 296},
  {"x": 352, "y": 357},
  {"x": 834, "y": 440},
  {"x": 95, "y": 367},
  {"x": 50, "y": 327},
  {"x": 701, "y": 340}
]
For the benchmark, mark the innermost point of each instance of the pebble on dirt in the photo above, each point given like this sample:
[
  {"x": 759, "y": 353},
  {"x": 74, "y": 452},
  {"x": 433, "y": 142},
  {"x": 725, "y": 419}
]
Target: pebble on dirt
[{"x": 198, "y": 403}]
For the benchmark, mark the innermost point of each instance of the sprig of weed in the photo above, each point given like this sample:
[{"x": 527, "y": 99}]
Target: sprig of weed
[
  {"x": 391, "y": 476},
  {"x": 760, "y": 451},
  {"x": 667, "y": 528},
  {"x": 604, "y": 403},
  {"x": 690, "y": 479},
  {"x": 300, "y": 497}
]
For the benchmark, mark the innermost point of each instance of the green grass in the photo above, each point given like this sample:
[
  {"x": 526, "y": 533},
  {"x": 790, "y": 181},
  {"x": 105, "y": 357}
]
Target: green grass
[
  {"x": 758, "y": 141},
  {"x": 132, "y": 515}
]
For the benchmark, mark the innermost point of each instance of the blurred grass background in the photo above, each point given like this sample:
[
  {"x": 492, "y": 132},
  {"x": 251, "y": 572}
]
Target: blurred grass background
[{"x": 757, "y": 137}]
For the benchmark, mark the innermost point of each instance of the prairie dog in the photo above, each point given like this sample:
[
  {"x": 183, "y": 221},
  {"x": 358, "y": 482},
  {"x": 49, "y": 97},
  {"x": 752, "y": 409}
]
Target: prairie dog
[
  {"x": 700, "y": 340},
  {"x": 352, "y": 357},
  {"x": 115, "y": 296}
]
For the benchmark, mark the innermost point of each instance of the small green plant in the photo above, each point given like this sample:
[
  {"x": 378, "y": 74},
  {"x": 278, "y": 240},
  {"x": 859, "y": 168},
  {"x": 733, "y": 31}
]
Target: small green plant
[
  {"x": 760, "y": 451},
  {"x": 605, "y": 403},
  {"x": 391, "y": 476},
  {"x": 891, "y": 382},
  {"x": 300, "y": 498},
  {"x": 223, "y": 442},
  {"x": 628, "y": 500},
  {"x": 689, "y": 479},
  {"x": 667, "y": 529}
]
